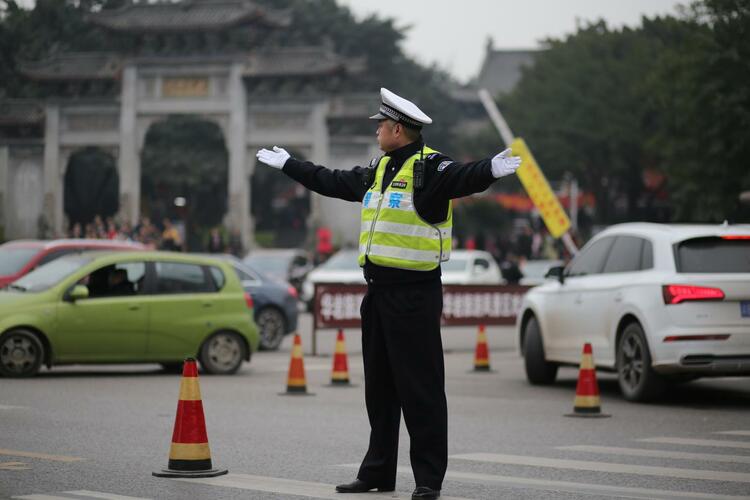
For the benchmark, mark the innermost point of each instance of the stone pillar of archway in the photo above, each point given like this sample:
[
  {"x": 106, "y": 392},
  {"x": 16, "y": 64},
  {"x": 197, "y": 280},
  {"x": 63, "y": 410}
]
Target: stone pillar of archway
[
  {"x": 321, "y": 156},
  {"x": 238, "y": 206},
  {"x": 52, "y": 186},
  {"x": 129, "y": 161}
]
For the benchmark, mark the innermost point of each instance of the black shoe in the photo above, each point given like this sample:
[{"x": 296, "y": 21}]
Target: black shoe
[
  {"x": 359, "y": 486},
  {"x": 425, "y": 493}
]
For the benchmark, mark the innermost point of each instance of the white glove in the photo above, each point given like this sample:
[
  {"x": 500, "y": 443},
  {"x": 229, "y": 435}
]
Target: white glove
[
  {"x": 276, "y": 158},
  {"x": 503, "y": 165}
]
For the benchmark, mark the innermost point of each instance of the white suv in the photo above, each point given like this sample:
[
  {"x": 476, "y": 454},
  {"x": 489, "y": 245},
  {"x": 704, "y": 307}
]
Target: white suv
[{"x": 657, "y": 302}]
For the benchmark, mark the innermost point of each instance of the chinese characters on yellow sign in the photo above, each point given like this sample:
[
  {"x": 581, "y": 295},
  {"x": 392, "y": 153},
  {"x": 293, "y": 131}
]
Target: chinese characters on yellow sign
[{"x": 539, "y": 191}]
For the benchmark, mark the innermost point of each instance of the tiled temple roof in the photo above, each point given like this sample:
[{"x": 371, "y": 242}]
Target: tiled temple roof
[
  {"x": 74, "y": 66},
  {"x": 299, "y": 61},
  {"x": 21, "y": 112},
  {"x": 188, "y": 15}
]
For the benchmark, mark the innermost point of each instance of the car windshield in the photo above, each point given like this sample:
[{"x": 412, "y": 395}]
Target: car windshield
[
  {"x": 272, "y": 264},
  {"x": 713, "y": 255},
  {"x": 455, "y": 264},
  {"x": 342, "y": 261},
  {"x": 12, "y": 259},
  {"x": 50, "y": 274}
]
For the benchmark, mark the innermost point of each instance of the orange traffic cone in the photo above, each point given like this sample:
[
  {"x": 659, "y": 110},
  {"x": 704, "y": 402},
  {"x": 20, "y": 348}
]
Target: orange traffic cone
[
  {"x": 482, "y": 354},
  {"x": 296, "y": 384},
  {"x": 340, "y": 372},
  {"x": 587, "y": 390},
  {"x": 189, "y": 455}
]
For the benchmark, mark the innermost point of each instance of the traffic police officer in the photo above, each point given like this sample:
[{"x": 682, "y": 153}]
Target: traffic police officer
[{"x": 405, "y": 234}]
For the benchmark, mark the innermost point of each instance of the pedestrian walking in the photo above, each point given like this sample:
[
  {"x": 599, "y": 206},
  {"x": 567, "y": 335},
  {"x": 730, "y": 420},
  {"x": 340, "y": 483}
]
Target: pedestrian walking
[{"x": 406, "y": 221}]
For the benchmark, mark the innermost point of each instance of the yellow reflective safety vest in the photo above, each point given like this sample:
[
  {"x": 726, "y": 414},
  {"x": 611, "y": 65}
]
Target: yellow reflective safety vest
[{"x": 392, "y": 234}]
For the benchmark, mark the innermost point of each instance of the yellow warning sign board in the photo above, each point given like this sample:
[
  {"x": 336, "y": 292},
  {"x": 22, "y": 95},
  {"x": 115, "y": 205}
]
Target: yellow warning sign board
[{"x": 539, "y": 190}]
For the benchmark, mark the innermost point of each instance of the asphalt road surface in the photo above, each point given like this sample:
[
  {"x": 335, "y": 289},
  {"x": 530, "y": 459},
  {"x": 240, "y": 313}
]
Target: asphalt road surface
[{"x": 100, "y": 431}]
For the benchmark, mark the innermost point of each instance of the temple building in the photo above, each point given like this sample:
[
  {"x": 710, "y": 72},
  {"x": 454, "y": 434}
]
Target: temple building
[{"x": 225, "y": 62}]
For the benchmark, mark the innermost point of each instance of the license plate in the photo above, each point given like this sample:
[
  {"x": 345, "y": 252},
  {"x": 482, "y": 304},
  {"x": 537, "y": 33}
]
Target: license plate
[{"x": 745, "y": 308}]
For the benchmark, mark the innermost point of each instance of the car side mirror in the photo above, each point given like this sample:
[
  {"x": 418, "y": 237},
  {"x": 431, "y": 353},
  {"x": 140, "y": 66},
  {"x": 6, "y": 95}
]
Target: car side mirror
[
  {"x": 556, "y": 272},
  {"x": 77, "y": 293}
]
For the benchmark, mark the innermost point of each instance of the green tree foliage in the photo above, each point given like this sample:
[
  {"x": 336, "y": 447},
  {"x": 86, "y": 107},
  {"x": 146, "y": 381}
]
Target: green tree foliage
[
  {"x": 186, "y": 156},
  {"x": 702, "y": 108},
  {"x": 52, "y": 26},
  {"x": 669, "y": 96}
]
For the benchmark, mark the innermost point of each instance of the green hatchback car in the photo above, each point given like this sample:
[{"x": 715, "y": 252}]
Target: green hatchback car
[{"x": 126, "y": 307}]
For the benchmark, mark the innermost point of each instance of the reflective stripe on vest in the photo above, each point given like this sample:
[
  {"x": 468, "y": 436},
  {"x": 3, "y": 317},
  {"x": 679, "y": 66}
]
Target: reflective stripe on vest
[{"x": 392, "y": 234}]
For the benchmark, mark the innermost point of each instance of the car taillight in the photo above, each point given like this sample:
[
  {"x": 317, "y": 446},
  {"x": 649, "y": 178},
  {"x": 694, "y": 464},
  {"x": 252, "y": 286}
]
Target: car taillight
[
  {"x": 292, "y": 291},
  {"x": 674, "y": 294},
  {"x": 248, "y": 300},
  {"x": 736, "y": 237}
]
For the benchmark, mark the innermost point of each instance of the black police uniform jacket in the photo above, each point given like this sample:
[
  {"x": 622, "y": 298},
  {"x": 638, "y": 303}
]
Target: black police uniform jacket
[{"x": 445, "y": 179}]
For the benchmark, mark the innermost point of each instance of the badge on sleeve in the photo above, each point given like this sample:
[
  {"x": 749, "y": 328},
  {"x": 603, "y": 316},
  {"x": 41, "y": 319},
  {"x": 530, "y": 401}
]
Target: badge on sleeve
[{"x": 443, "y": 165}]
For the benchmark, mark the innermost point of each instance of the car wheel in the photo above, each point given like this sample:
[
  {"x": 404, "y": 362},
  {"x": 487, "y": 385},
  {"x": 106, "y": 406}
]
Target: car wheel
[
  {"x": 638, "y": 381},
  {"x": 272, "y": 326},
  {"x": 21, "y": 354},
  {"x": 539, "y": 371},
  {"x": 222, "y": 353}
]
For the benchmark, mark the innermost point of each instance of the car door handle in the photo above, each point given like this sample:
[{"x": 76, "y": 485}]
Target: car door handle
[
  {"x": 578, "y": 299},
  {"x": 207, "y": 304},
  {"x": 134, "y": 307},
  {"x": 618, "y": 297}
]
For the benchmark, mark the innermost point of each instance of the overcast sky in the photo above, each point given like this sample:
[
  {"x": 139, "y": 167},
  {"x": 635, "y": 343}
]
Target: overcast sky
[{"x": 453, "y": 33}]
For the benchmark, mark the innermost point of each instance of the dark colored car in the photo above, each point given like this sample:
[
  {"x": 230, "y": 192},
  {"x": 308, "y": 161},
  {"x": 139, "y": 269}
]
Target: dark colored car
[
  {"x": 284, "y": 264},
  {"x": 276, "y": 302},
  {"x": 20, "y": 257}
]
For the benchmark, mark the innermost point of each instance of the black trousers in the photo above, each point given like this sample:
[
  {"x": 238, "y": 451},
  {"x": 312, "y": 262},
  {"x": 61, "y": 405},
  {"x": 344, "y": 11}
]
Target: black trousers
[{"x": 404, "y": 370}]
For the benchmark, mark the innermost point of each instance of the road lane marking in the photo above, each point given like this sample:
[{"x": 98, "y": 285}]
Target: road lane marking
[
  {"x": 77, "y": 495},
  {"x": 647, "y": 470},
  {"x": 568, "y": 486},
  {"x": 734, "y": 433},
  {"x": 12, "y": 407},
  {"x": 718, "y": 443},
  {"x": 573, "y": 487},
  {"x": 42, "y": 497},
  {"x": 101, "y": 494},
  {"x": 289, "y": 487},
  {"x": 41, "y": 456},
  {"x": 14, "y": 466},
  {"x": 638, "y": 452}
]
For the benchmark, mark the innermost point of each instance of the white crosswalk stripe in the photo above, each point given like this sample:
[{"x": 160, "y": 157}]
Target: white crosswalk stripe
[
  {"x": 680, "y": 455},
  {"x": 104, "y": 496},
  {"x": 734, "y": 433},
  {"x": 613, "y": 468},
  {"x": 574, "y": 487},
  {"x": 78, "y": 495},
  {"x": 289, "y": 487},
  {"x": 717, "y": 443}
]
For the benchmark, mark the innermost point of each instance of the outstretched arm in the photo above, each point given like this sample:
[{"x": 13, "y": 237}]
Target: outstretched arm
[
  {"x": 452, "y": 179},
  {"x": 343, "y": 184}
]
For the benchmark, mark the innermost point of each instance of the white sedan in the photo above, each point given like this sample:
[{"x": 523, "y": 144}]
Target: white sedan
[
  {"x": 465, "y": 267},
  {"x": 657, "y": 302}
]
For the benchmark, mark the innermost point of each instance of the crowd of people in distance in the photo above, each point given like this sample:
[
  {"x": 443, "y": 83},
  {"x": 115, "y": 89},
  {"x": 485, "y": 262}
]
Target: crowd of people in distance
[{"x": 164, "y": 236}]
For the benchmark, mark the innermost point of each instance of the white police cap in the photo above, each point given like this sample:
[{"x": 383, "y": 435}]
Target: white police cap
[{"x": 397, "y": 108}]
